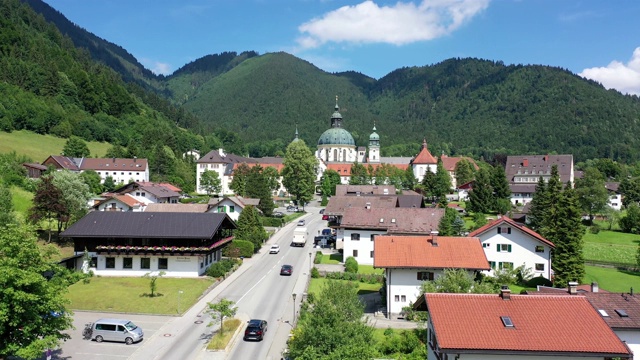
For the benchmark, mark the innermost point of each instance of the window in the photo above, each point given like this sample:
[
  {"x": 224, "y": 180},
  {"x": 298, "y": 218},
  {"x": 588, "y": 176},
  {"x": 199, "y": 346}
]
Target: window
[
  {"x": 485, "y": 245},
  {"x": 425, "y": 275},
  {"x": 355, "y": 236},
  {"x": 539, "y": 249},
  {"x": 355, "y": 253},
  {"x": 110, "y": 263},
  {"x": 371, "y": 254},
  {"x": 539, "y": 267},
  {"x": 492, "y": 264},
  {"x": 505, "y": 265},
  {"x": 145, "y": 263},
  {"x": 220, "y": 209},
  {"x": 504, "y": 247},
  {"x": 107, "y": 327},
  {"x": 232, "y": 208},
  {"x": 504, "y": 230},
  {"x": 403, "y": 298},
  {"x": 163, "y": 264},
  {"x": 396, "y": 298},
  {"x": 373, "y": 236},
  {"x": 127, "y": 263}
]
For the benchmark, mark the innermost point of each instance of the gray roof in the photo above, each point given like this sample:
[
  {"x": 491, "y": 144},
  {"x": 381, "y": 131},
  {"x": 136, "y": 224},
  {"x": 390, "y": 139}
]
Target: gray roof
[
  {"x": 396, "y": 160},
  {"x": 101, "y": 224},
  {"x": 523, "y": 188},
  {"x": 167, "y": 207},
  {"x": 539, "y": 165},
  {"x": 394, "y": 220},
  {"x": 365, "y": 190},
  {"x": 239, "y": 200},
  {"x": 159, "y": 191},
  {"x": 338, "y": 204},
  {"x": 410, "y": 201}
]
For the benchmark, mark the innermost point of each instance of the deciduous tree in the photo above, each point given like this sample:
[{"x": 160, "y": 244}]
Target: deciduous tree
[
  {"x": 76, "y": 147},
  {"x": 299, "y": 172},
  {"x": 220, "y": 310},
  {"x": 239, "y": 182},
  {"x": 258, "y": 188},
  {"x": 75, "y": 194},
  {"x": 48, "y": 205},
  {"x": 210, "y": 182},
  {"x": 592, "y": 193},
  {"x": 250, "y": 228}
]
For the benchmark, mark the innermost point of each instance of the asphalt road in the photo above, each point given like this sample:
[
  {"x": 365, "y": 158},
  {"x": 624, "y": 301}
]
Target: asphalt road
[{"x": 258, "y": 291}]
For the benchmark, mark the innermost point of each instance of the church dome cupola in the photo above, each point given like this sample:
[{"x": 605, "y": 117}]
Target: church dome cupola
[
  {"x": 336, "y": 117},
  {"x": 374, "y": 138},
  {"x": 336, "y": 135}
]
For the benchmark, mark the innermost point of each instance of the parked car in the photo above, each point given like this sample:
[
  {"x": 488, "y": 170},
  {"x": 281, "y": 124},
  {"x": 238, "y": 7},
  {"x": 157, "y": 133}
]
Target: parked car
[
  {"x": 277, "y": 214},
  {"x": 321, "y": 211},
  {"x": 274, "y": 249},
  {"x": 301, "y": 222},
  {"x": 286, "y": 270},
  {"x": 292, "y": 208},
  {"x": 326, "y": 231},
  {"x": 255, "y": 329}
]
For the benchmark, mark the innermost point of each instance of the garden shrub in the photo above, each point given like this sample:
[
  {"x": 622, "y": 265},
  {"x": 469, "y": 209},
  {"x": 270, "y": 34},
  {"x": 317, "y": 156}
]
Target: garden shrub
[
  {"x": 239, "y": 248},
  {"x": 538, "y": 280},
  {"x": 318, "y": 258},
  {"x": 351, "y": 265},
  {"x": 594, "y": 229},
  {"x": 271, "y": 221},
  {"x": 221, "y": 268},
  {"x": 315, "y": 273}
]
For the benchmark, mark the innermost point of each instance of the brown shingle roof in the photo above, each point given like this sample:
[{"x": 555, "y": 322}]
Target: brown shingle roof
[
  {"x": 393, "y": 220},
  {"x": 546, "y": 324},
  {"x": 495, "y": 223},
  {"x": 365, "y": 190},
  {"x": 398, "y": 251},
  {"x": 113, "y": 164},
  {"x": 539, "y": 165},
  {"x": 338, "y": 204},
  {"x": 449, "y": 163},
  {"x": 610, "y": 302}
]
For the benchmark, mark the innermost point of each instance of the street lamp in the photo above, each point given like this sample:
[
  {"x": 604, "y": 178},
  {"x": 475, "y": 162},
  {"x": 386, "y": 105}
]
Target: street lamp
[
  {"x": 179, "y": 292},
  {"x": 294, "y": 308},
  {"x": 310, "y": 262}
]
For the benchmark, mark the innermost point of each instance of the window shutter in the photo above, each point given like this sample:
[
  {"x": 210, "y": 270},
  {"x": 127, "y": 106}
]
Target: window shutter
[
  {"x": 498, "y": 249},
  {"x": 508, "y": 230},
  {"x": 509, "y": 248},
  {"x": 500, "y": 265},
  {"x": 431, "y": 276},
  {"x": 499, "y": 230},
  {"x": 419, "y": 277}
]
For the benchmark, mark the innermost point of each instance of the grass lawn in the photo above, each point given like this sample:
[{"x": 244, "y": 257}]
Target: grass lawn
[
  {"x": 39, "y": 147},
  {"x": 22, "y": 200},
  {"x": 368, "y": 269},
  {"x": 331, "y": 259},
  {"x": 613, "y": 280},
  {"x": 218, "y": 341},
  {"x": 128, "y": 295},
  {"x": 316, "y": 285},
  {"x": 611, "y": 246},
  {"x": 64, "y": 250}
]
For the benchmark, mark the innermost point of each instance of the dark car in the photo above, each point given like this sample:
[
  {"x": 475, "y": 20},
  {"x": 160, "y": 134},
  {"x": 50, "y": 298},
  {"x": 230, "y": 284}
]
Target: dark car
[
  {"x": 321, "y": 211},
  {"x": 286, "y": 270},
  {"x": 255, "y": 330}
]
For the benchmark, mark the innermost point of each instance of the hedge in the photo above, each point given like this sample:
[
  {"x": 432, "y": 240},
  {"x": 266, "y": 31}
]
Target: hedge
[
  {"x": 273, "y": 222},
  {"x": 239, "y": 248},
  {"x": 221, "y": 268}
]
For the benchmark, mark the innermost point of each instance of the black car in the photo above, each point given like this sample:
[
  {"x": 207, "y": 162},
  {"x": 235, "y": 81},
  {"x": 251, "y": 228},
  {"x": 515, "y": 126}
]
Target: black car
[
  {"x": 286, "y": 270},
  {"x": 255, "y": 330}
]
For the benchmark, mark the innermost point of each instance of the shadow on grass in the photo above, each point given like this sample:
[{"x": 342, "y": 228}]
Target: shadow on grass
[
  {"x": 629, "y": 272},
  {"x": 151, "y": 296},
  {"x": 336, "y": 257},
  {"x": 367, "y": 292}
]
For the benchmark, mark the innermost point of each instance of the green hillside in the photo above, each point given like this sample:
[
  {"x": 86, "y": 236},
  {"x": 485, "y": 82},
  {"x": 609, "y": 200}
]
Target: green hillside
[{"x": 38, "y": 147}]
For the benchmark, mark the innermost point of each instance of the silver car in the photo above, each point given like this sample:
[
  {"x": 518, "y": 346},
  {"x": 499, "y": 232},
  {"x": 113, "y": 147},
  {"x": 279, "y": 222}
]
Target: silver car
[{"x": 116, "y": 330}]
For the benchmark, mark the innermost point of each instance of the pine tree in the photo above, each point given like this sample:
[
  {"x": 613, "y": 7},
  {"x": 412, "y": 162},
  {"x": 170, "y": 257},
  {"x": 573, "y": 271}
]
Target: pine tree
[
  {"x": 538, "y": 207},
  {"x": 565, "y": 231},
  {"x": 250, "y": 227},
  {"x": 499, "y": 183},
  {"x": 442, "y": 181},
  {"x": 409, "y": 180},
  {"x": 239, "y": 182},
  {"x": 445, "y": 228},
  {"x": 481, "y": 195},
  {"x": 258, "y": 188},
  {"x": 464, "y": 172}
]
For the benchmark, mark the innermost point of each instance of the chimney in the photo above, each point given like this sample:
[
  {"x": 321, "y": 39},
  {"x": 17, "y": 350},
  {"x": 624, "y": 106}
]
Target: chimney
[
  {"x": 546, "y": 158},
  {"x": 434, "y": 238},
  {"x": 573, "y": 287},
  {"x": 631, "y": 291},
  {"x": 594, "y": 287},
  {"x": 114, "y": 159},
  {"x": 525, "y": 162},
  {"x": 505, "y": 293},
  {"x": 221, "y": 152},
  {"x": 135, "y": 158},
  {"x": 367, "y": 206}
]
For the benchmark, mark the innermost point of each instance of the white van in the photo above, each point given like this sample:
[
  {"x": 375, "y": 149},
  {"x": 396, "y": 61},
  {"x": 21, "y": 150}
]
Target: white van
[{"x": 116, "y": 330}]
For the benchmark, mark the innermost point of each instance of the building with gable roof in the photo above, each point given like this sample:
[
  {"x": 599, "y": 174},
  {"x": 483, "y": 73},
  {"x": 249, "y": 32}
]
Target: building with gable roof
[
  {"x": 231, "y": 205},
  {"x": 120, "y": 170},
  {"x": 505, "y": 326},
  {"x": 410, "y": 260},
  {"x": 423, "y": 162},
  {"x": 120, "y": 202},
  {"x": 449, "y": 164},
  {"x": 622, "y": 313},
  {"x": 523, "y": 173},
  {"x": 509, "y": 244}
]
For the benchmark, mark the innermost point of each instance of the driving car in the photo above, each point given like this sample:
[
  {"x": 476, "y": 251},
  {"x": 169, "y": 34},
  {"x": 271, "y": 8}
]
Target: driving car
[
  {"x": 274, "y": 249},
  {"x": 286, "y": 270},
  {"x": 301, "y": 222},
  {"x": 255, "y": 329}
]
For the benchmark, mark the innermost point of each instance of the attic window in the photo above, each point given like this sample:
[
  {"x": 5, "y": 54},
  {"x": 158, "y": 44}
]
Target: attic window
[
  {"x": 603, "y": 312},
  {"x": 622, "y": 313},
  {"x": 506, "y": 321},
  {"x": 381, "y": 220},
  {"x": 393, "y": 221}
]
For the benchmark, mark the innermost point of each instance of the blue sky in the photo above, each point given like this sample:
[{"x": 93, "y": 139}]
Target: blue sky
[{"x": 598, "y": 39}]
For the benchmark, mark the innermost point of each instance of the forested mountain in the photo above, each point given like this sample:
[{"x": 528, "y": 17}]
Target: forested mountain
[{"x": 252, "y": 103}]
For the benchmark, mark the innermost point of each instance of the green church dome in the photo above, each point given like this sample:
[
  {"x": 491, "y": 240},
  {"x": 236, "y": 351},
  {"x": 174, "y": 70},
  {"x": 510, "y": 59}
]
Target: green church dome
[
  {"x": 336, "y": 136},
  {"x": 374, "y": 135}
]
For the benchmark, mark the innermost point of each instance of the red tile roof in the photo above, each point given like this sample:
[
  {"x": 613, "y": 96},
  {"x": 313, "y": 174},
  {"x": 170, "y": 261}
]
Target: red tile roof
[
  {"x": 546, "y": 324},
  {"x": 163, "y": 184},
  {"x": 277, "y": 166},
  {"x": 515, "y": 225},
  {"x": 424, "y": 156},
  {"x": 393, "y": 220},
  {"x": 128, "y": 200},
  {"x": 398, "y": 251},
  {"x": 61, "y": 162},
  {"x": 449, "y": 163}
]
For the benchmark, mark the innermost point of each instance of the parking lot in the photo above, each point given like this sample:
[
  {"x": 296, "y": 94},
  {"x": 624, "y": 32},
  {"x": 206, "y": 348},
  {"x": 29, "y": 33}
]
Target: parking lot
[{"x": 78, "y": 348}]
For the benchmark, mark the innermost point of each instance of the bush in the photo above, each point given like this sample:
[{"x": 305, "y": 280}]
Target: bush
[
  {"x": 272, "y": 221},
  {"x": 318, "y": 258},
  {"x": 315, "y": 273},
  {"x": 538, "y": 280},
  {"x": 239, "y": 248},
  {"x": 594, "y": 229},
  {"x": 351, "y": 265},
  {"x": 221, "y": 268}
]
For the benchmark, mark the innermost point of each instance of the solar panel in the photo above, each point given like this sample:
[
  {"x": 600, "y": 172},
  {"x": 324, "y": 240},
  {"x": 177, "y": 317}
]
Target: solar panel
[
  {"x": 506, "y": 321},
  {"x": 622, "y": 313}
]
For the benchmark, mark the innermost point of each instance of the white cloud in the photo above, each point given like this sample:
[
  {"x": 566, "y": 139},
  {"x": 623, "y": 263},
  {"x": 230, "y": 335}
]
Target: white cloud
[
  {"x": 622, "y": 77},
  {"x": 157, "y": 67},
  {"x": 402, "y": 23}
]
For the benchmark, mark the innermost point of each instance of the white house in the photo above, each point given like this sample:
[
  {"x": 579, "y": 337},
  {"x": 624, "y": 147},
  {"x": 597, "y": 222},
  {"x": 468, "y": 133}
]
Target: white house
[
  {"x": 360, "y": 226},
  {"x": 120, "y": 170},
  {"x": 123, "y": 202},
  {"x": 508, "y": 244},
  {"x": 505, "y": 326},
  {"x": 135, "y": 243},
  {"x": 231, "y": 205},
  {"x": 424, "y": 162},
  {"x": 523, "y": 173},
  {"x": 410, "y": 260},
  {"x": 615, "y": 197}
]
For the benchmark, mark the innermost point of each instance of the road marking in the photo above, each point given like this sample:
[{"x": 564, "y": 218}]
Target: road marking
[
  {"x": 256, "y": 284},
  {"x": 107, "y": 355}
]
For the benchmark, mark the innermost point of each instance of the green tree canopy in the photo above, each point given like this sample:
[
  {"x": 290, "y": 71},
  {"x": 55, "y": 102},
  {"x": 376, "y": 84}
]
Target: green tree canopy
[
  {"x": 257, "y": 187},
  {"x": 93, "y": 181},
  {"x": 48, "y": 205},
  {"x": 464, "y": 172},
  {"x": 210, "y": 182},
  {"x": 299, "y": 172},
  {"x": 359, "y": 175},
  {"x": 32, "y": 308},
  {"x": 592, "y": 193},
  {"x": 456, "y": 281},
  {"x": 481, "y": 195},
  {"x": 75, "y": 194},
  {"x": 239, "y": 181},
  {"x": 250, "y": 227},
  {"x": 220, "y": 310},
  {"x": 76, "y": 147},
  {"x": 330, "y": 179}
]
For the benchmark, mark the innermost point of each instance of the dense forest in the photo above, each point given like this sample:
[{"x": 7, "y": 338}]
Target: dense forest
[{"x": 252, "y": 103}]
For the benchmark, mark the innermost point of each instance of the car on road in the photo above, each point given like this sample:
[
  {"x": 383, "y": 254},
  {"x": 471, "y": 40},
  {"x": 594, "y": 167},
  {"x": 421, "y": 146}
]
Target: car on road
[
  {"x": 277, "y": 214},
  {"x": 286, "y": 270},
  {"x": 321, "y": 211},
  {"x": 255, "y": 329},
  {"x": 292, "y": 208},
  {"x": 301, "y": 222},
  {"x": 274, "y": 249}
]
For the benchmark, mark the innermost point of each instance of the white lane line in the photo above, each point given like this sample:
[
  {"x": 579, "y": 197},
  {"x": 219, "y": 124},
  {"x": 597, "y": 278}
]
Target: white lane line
[{"x": 256, "y": 284}]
